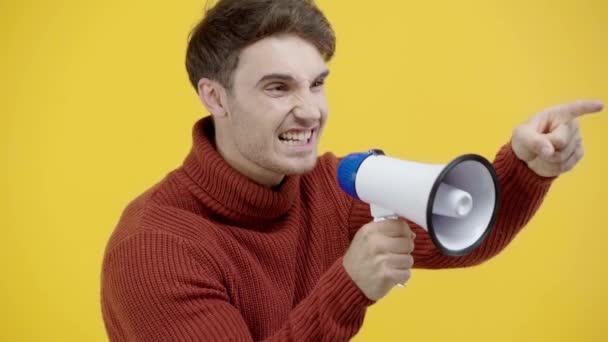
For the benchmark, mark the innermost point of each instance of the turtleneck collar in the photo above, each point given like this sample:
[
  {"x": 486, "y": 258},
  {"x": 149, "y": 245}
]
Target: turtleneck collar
[{"x": 228, "y": 193}]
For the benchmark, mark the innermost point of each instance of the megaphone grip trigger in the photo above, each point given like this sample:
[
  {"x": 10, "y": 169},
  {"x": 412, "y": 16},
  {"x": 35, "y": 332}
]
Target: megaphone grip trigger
[
  {"x": 383, "y": 218},
  {"x": 380, "y": 214}
]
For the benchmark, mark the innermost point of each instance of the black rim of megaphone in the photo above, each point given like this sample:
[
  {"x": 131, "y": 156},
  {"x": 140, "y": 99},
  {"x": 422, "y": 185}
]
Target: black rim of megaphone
[{"x": 438, "y": 181}]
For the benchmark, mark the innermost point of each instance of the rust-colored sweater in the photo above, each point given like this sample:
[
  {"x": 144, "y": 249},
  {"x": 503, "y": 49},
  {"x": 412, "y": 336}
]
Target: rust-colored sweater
[{"x": 207, "y": 254}]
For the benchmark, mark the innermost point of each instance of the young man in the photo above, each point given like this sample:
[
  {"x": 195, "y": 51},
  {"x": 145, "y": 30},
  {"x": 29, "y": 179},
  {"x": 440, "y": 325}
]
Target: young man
[{"x": 251, "y": 238}]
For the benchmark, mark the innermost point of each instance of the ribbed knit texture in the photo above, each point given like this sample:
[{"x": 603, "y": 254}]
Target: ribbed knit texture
[{"x": 209, "y": 255}]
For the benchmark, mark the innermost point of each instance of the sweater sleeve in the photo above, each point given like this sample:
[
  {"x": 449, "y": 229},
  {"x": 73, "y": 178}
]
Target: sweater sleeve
[
  {"x": 521, "y": 194},
  {"x": 155, "y": 287}
]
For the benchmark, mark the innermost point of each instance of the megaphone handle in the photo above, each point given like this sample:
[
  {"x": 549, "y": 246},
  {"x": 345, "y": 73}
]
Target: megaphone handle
[{"x": 380, "y": 214}]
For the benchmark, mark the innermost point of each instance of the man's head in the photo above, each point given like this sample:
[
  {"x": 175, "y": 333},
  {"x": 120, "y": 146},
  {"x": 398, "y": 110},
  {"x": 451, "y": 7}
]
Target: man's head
[{"x": 258, "y": 67}]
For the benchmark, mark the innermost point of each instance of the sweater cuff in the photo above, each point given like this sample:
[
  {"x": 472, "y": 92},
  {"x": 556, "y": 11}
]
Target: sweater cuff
[{"x": 507, "y": 163}]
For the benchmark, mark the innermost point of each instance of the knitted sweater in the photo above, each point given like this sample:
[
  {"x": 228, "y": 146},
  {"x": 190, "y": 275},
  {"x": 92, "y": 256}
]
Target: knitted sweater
[{"x": 207, "y": 254}]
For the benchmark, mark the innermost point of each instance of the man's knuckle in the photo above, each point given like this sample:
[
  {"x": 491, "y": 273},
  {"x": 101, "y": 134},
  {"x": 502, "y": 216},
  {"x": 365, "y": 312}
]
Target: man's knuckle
[
  {"x": 410, "y": 246},
  {"x": 404, "y": 276},
  {"x": 409, "y": 261},
  {"x": 560, "y": 143}
]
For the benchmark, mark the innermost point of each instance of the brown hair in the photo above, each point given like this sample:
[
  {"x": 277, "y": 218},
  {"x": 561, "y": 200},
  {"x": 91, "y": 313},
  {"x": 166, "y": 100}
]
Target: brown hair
[{"x": 231, "y": 25}]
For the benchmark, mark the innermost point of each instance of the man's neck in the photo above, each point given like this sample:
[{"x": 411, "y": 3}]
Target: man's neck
[{"x": 245, "y": 167}]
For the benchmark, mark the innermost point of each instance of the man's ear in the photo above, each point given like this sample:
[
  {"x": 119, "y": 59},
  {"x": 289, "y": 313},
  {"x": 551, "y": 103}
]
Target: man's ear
[{"x": 213, "y": 97}]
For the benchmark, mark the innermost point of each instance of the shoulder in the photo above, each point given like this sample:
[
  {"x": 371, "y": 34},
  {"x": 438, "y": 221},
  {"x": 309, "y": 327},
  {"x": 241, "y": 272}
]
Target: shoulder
[
  {"x": 167, "y": 209},
  {"x": 155, "y": 242}
]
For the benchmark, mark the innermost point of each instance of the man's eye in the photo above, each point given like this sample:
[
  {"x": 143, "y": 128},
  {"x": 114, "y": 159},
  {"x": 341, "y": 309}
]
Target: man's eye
[
  {"x": 277, "y": 88},
  {"x": 318, "y": 83}
]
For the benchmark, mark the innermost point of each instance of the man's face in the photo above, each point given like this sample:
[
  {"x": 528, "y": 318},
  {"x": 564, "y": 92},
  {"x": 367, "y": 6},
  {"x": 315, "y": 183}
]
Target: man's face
[{"x": 276, "y": 106}]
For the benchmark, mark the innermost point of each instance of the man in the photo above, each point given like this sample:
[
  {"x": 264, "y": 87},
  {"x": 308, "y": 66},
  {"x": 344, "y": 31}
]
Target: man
[{"x": 251, "y": 238}]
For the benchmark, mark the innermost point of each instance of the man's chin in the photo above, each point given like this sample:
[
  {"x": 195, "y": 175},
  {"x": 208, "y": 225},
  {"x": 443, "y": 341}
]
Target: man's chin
[{"x": 301, "y": 167}]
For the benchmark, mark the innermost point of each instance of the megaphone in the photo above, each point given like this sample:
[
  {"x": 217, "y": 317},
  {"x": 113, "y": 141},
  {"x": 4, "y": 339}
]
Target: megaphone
[{"x": 456, "y": 203}]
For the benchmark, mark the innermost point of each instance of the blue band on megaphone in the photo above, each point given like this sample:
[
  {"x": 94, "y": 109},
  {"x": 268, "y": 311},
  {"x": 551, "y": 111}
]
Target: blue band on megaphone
[{"x": 347, "y": 171}]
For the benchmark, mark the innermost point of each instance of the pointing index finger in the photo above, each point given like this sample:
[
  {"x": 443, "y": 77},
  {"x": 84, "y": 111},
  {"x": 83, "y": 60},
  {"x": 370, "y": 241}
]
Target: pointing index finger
[{"x": 573, "y": 110}]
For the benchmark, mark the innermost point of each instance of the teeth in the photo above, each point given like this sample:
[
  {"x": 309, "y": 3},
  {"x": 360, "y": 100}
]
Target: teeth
[
  {"x": 299, "y": 138},
  {"x": 294, "y": 142}
]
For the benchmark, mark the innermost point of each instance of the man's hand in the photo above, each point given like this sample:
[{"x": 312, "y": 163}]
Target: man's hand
[
  {"x": 550, "y": 142},
  {"x": 379, "y": 257}
]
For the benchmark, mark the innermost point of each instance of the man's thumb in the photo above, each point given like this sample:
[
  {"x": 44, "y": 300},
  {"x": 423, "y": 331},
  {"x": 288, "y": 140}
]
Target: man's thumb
[
  {"x": 542, "y": 146},
  {"x": 527, "y": 143}
]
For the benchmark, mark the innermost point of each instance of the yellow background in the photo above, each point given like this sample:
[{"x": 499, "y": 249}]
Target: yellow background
[{"x": 96, "y": 107}]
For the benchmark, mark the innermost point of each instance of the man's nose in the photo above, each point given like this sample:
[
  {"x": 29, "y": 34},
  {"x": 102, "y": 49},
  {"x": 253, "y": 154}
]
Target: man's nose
[{"x": 307, "y": 108}]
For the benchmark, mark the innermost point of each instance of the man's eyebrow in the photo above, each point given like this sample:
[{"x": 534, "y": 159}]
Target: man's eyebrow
[
  {"x": 276, "y": 76},
  {"x": 324, "y": 74},
  {"x": 288, "y": 77}
]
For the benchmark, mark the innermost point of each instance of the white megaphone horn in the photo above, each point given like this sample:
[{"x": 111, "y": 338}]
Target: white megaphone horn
[{"x": 455, "y": 203}]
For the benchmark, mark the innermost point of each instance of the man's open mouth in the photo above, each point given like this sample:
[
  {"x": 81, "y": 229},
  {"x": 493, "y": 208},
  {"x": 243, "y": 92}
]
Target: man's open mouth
[{"x": 296, "y": 137}]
